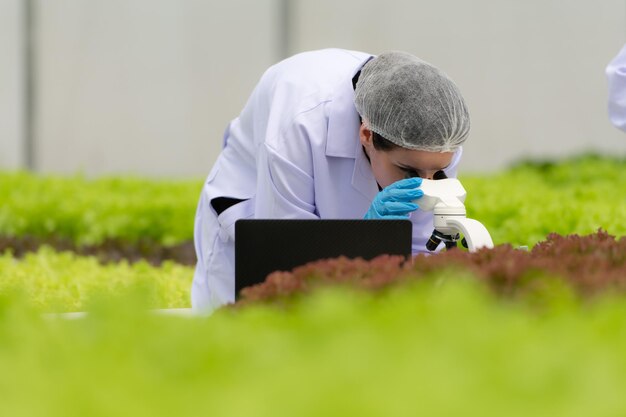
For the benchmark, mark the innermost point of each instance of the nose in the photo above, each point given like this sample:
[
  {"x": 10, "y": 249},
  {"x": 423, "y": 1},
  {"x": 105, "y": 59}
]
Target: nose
[{"x": 435, "y": 175}]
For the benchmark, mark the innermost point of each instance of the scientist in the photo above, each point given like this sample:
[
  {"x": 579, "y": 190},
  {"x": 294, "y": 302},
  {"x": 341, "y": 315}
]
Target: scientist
[{"x": 329, "y": 134}]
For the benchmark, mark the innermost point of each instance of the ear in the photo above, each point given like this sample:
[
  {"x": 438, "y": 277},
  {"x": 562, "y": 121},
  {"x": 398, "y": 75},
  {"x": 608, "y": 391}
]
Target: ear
[{"x": 365, "y": 135}]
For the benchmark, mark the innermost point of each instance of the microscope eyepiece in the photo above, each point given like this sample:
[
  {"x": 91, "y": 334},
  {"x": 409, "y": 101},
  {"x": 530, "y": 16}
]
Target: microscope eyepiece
[{"x": 440, "y": 175}]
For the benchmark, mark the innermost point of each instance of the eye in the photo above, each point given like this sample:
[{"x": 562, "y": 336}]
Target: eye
[{"x": 410, "y": 173}]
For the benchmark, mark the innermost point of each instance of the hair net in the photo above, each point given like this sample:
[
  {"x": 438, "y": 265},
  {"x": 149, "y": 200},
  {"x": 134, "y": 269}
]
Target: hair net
[{"x": 411, "y": 103}]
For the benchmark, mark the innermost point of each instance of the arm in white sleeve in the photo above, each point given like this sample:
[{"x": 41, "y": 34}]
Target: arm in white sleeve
[{"x": 616, "y": 76}]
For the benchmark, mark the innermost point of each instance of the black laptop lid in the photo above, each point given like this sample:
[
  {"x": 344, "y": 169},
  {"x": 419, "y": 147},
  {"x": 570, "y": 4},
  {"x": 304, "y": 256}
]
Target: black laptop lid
[{"x": 264, "y": 246}]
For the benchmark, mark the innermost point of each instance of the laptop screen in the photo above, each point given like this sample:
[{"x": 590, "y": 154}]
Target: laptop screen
[{"x": 263, "y": 246}]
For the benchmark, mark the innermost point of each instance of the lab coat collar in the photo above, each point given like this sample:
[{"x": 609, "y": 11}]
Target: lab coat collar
[
  {"x": 343, "y": 136},
  {"x": 362, "y": 176},
  {"x": 343, "y": 119}
]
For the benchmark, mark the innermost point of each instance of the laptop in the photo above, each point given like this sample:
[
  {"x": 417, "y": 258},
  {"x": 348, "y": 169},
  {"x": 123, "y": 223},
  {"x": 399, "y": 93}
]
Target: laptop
[{"x": 263, "y": 246}]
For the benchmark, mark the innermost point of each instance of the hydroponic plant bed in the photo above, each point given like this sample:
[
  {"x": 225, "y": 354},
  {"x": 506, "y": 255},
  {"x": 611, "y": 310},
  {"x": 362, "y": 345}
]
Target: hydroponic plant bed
[
  {"x": 110, "y": 250},
  {"x": 586, "y": 265},
  {"x": 127, "y": 217},
  {"x": 501, "y": 332},
  {"x": 51, "y": 281}
]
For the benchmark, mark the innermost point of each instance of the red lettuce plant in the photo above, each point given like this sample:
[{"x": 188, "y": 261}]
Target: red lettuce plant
[{"x": 590, "y": 264}]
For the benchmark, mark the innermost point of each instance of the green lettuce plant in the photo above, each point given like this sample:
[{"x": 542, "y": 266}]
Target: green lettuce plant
[
  {"x": 520, "y": 205},
  {"x": 62, "y": 281},
  {"x": 524, "y": 204},
  {"x": 89, "y": 211}
]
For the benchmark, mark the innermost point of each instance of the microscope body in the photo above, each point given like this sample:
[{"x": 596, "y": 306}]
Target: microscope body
[{"x": 445, "y": 198}]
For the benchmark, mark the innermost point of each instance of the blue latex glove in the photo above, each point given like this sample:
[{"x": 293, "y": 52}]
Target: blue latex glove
[{"x": 396, "y": 200}]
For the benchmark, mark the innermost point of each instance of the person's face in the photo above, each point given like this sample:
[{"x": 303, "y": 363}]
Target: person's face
[{"x": 393, "y": 165}]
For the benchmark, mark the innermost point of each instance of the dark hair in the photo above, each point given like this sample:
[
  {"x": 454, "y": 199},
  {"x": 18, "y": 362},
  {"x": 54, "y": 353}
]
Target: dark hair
[{"x": 382, "y": 144}]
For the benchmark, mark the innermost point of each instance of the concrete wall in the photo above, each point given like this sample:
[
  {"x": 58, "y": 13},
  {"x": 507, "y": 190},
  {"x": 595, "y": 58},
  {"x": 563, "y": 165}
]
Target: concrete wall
[
  {"x": 11, "y": 72},
  {"x": 531, "y": 71},
  {"x": 147, "y": 86}
]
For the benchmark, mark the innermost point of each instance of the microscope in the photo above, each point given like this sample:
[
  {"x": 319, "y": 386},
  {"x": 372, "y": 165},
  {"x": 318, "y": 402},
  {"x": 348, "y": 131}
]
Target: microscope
[{"x": 445, "y": 197}]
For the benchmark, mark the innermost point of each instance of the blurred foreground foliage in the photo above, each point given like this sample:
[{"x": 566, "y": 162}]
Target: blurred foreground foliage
[{"x": 436, "y": 348}]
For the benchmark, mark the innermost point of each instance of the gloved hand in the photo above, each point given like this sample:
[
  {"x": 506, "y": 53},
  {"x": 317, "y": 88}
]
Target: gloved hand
[{"x": 396, "y": 200}]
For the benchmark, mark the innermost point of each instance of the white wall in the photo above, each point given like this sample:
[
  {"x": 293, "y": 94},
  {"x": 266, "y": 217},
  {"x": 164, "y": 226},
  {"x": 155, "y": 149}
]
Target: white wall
[
  {"x": 147, "y": 86},
  {"x": 531, "y": 71},
  {"x": 11, "y": 104}
]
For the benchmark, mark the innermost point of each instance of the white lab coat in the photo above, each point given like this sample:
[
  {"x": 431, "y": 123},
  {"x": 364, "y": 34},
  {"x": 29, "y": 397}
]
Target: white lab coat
[
  {"x": 293, "y": 153},
  {"x": 616, "y": 76}
]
